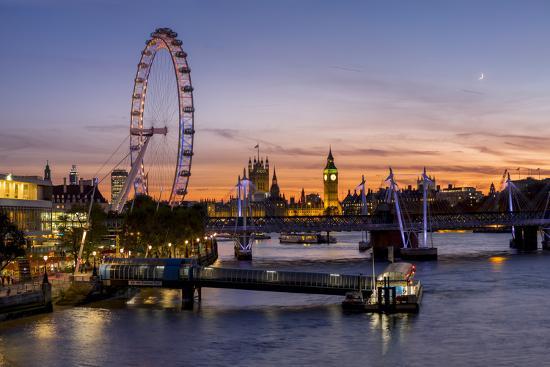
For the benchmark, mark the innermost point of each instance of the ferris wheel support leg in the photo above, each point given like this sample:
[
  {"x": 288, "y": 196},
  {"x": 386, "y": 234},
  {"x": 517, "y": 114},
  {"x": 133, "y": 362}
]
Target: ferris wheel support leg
[{"x": 123, "y": 196}]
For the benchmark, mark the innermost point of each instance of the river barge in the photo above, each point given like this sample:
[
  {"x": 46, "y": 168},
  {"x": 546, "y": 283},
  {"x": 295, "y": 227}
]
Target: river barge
[
  {"x": 261, "y": 236},
  {"x": 305, "y": 238}
]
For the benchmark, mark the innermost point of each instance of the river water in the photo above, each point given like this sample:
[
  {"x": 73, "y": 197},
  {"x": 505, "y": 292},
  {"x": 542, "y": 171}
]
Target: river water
[{"x": 483, "y": 305}]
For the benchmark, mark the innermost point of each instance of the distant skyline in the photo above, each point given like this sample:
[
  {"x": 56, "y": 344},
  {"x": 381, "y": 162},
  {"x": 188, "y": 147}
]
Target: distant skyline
[{"x": 393, "y": 83}]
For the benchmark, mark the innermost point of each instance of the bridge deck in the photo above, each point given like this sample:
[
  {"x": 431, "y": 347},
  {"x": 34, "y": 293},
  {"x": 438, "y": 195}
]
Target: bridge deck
[
  {"x": 281, "y": 281},
  {"x": 157, "y": 275},
  {"x": 340, "y": 223}
]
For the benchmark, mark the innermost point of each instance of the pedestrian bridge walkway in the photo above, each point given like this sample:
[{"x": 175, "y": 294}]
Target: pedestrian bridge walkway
[
  {"x": 182, "y": 273},
  {"x": 280, "y": 281}
]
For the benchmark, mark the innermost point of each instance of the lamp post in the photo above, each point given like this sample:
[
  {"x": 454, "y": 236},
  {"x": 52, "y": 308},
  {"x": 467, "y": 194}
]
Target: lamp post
[
  {"x": 45, "y": 279},
  {"x": 148, "y": 250},
  {"x": 187, "y": 247},
  {"x": 170, "y": 249},
  {"x": 94, "y": 271},
  {"x": 122, "y": 252}
]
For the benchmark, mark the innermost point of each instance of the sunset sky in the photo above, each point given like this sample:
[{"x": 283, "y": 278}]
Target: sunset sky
[{"x": 382, "y": 82}]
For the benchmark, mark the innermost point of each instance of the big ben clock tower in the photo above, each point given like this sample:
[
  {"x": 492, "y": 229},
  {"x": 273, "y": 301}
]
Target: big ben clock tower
[{"x": 330, "y": 181}]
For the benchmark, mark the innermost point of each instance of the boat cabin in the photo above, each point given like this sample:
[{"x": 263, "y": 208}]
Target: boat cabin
[{"x": 400, "y": 276}]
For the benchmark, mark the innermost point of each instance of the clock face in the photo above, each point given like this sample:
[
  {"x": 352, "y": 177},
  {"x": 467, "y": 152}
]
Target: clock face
[
  {"x": 326, "y": 177},
  {"x": 333, "y": 177}
]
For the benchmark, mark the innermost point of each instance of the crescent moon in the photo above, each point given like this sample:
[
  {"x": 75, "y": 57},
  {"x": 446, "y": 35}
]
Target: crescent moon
[{"x": 481, "y": 77}]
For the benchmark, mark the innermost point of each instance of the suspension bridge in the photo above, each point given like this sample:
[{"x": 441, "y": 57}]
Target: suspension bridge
[{"x": 349, "y": 223}]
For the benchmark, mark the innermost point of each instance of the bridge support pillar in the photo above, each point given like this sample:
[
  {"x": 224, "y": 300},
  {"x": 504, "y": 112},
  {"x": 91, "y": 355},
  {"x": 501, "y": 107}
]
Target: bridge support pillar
[
  {"x": 243, "y": 247},
  {"x": 525, "y": 238},
  {"x": 381, "y": 240},
  {"x": 187, "y": 297},
  {"x": 546, "y": 238}
]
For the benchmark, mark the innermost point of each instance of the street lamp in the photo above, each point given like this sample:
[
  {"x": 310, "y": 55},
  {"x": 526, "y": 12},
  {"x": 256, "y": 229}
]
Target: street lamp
[
  {"x": 148, "y": 250},
  {"x": 186, "y": 254},
  {"x": 94, "y": 271},
  {"x": 45, "y": 279},
  {"x": 170, "y": 249},
  {"x": 122, "y": 252}
]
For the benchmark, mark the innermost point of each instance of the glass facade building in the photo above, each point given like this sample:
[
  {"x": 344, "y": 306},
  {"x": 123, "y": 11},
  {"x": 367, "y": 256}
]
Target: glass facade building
[{"x": 27, "y": 202}]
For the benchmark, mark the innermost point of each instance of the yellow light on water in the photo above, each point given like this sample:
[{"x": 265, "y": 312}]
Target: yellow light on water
[{"x": 497, "y": 259}]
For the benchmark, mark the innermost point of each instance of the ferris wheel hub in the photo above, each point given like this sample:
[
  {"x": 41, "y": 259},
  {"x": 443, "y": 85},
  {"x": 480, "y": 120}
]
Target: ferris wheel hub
[{"x": 136, "y": 131}]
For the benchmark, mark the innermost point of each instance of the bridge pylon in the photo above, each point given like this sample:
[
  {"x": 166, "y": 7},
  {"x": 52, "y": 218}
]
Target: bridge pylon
[
  {"x": 545, "y": 232},
  {"x": 243, "y": 241},
  {"x": 243, "y": 246},
  {"x": 188, "y": 296},
  {"x": 525, "y": 238}
]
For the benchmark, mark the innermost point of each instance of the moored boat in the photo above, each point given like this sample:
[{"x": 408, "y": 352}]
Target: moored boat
[
  {"x": 305, "y": 238},
  {"x": 261, "y": 236},
  {"x": 396, "y": 292}
]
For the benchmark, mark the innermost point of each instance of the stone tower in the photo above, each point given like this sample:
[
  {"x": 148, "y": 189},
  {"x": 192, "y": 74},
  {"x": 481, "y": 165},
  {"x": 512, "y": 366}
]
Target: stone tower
[
  {"x": 330, "y": 183},
  {"x": 47, "y": 172},
  {"x": 258, "y": 173},
  {"x": 274, "y": 191}
]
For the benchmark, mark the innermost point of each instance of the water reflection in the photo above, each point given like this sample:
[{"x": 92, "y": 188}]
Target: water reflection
[
  {"x": 44, "y": 330},
  {"x": 497, "y": 262},
  {"x": 393, "y": 329}
]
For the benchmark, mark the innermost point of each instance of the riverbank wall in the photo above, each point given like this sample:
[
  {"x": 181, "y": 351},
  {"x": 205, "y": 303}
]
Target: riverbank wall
[{"x": 35, "y": 301}]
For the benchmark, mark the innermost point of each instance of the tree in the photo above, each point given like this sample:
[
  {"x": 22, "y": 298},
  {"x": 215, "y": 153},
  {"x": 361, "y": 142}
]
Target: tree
[
  {"x": 12, "y": 241},
  {"x": 73, "y": 225},
  {"x": 97, "y": 229},
  {"x": 70, "y": 232},
  {"x": 157, "y": 224}
]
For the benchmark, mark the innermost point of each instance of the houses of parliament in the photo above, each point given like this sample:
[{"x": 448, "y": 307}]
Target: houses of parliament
[{"x": 267, "y": 200}]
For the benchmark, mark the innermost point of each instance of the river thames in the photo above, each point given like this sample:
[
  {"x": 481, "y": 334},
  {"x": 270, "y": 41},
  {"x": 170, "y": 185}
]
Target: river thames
[{"x": 483, "y": 305}]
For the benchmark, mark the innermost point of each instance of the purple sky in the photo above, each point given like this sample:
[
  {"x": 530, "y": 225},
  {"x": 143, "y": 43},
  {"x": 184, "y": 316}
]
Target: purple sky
[{"x": 383, "y": 82}]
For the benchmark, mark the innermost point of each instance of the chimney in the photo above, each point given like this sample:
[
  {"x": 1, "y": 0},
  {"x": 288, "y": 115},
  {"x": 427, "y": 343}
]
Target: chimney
[
  {"x": 81, "y": 186},
  {"x": 64, "y": 185}
]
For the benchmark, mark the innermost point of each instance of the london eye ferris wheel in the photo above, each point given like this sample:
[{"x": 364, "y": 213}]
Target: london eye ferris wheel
[{"x": 161, "y": 122}]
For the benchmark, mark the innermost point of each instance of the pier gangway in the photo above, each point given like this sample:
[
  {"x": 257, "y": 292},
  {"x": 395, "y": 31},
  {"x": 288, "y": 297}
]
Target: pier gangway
[
  {"x": 183, "y": 273},
  {"x": 280, "y": 281}
]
